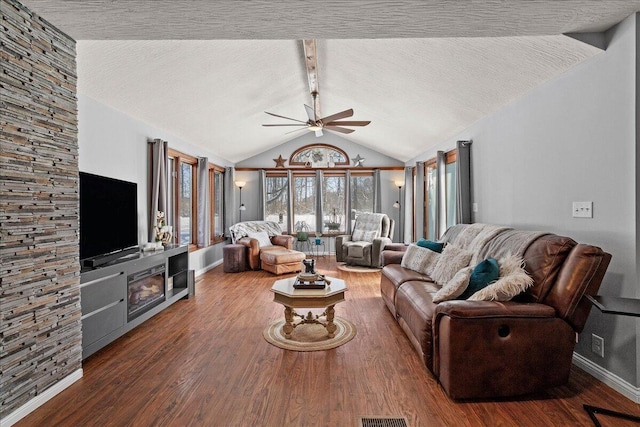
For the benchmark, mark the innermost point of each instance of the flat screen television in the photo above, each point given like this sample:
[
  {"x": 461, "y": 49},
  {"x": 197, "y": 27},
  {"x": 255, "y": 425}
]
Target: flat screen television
[{"x": 108, "y": 218}]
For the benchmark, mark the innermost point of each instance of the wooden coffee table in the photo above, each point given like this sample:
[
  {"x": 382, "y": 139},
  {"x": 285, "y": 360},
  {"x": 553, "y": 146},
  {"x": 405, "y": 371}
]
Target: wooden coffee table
[{"x": 327, "y": 298}]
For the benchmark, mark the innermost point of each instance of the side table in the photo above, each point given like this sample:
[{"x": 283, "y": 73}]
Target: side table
[
  {"x": 318, "y": 247},
  {"x": 623, "y": 307}
]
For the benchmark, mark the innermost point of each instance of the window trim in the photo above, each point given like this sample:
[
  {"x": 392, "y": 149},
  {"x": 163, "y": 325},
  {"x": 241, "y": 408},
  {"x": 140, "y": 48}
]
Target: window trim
[
  {"x": 213, "y": 168},
  {"x": 450, "y": 156},
  {"x": 179, "y": 159},
  {"x": 292, "y": 162}
]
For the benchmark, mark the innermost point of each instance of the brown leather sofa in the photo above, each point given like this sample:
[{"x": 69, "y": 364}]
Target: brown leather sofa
[{"x": 488, "y": 349}]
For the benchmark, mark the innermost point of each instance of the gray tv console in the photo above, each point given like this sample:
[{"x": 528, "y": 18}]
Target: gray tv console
[{"x": 108, "y": 305}]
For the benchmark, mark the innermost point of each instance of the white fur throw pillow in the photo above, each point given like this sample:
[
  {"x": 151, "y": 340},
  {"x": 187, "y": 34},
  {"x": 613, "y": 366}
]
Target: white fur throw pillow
[
  {"x": 420, "y": 259},
  {"x": 451, "y": 260},
  {"x": 262, "y": 237},
  {"x": 512, "y": 281},
  {"x": 454, "y": 287}
]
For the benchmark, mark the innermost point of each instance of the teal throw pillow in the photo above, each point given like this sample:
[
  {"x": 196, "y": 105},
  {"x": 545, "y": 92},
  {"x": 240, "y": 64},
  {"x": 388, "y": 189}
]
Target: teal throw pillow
[
  {"x": 485, "y": 273},
  {"x": 430, "y": 244}
]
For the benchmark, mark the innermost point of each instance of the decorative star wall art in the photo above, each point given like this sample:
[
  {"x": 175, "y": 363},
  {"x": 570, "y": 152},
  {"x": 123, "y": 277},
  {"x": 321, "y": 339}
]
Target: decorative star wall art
[
  {"x": 358, "y": 161},
  {"x": 280, "y": 161}
]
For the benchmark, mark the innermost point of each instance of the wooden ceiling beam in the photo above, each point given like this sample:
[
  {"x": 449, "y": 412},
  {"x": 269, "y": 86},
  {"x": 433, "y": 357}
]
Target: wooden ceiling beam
[{"x": 311, "y": 65}]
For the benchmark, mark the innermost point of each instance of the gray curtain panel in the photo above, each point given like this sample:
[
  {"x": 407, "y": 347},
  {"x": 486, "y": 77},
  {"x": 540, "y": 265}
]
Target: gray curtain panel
[
  {"x": 406, "y": 207},
  {"x": 262, "y": 194},
  {"x": 463, "y": 183},
  {"x": 348, "y": 217},
  {"x": 319, "y": 213},
  {"x": 290, "y": 185},
  {"x": 441, "y": 192},
  {"x": 203, "y": 202},
  {"x": 419, "y": 201},
  {"x": 230, "y": 208},
  {"x": 377, "y": 192},
  {"x": 159, "y": 181}
]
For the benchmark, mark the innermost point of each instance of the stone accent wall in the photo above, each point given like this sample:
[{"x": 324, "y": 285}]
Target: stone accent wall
[{"x": 40, "y": 329}]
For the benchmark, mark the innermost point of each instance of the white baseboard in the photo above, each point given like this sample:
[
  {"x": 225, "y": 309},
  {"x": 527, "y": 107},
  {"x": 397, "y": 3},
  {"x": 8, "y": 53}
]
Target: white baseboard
[
  {"x": 612, "y": 380},
  {"x": 208, "y": 267},
  {"x": 40, "y": 399}
]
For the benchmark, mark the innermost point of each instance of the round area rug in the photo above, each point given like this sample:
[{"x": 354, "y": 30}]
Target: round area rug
[
  {"x": 310, "y": 336},
  {"x": 357, "y": 268}
]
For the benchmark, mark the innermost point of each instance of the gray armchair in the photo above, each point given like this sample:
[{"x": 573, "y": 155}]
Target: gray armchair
[{"x": 371, "y": 232}]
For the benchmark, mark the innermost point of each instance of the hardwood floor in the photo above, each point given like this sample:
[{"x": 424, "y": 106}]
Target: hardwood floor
[{"x": 204, "y": 362}]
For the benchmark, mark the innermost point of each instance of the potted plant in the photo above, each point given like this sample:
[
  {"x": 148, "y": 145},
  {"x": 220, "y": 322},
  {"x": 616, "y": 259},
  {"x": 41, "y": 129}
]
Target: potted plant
[{"x": 333, "y": 224}]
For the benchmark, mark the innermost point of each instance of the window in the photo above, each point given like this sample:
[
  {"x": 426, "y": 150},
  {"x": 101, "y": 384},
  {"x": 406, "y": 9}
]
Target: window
[
  {"x": 446, "y": 214},
  {"x": 182, "y": 200},
  {"x": 450, "y": 189},
  {"x": 304, "y": 192},
  {"x": 334, "y": 202},
  {"x": 277, "y": 199},
  {"x": 361, "y": 197},
  {"x": 304, "y": 202},
  {"x": 430, "y": 200},
  {"x": 319, "y": 155},
  {"x": 216, "y": 195}
]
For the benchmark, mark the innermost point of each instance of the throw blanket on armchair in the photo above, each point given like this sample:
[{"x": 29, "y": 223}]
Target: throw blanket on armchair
[{"x": 241, "y": 229}]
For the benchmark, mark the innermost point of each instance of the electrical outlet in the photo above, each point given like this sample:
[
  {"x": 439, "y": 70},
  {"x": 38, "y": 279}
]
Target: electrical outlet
[{"x": 597, "y": 345}]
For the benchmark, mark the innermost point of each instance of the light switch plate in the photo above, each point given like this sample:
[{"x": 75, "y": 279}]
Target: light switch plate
[{"x": 582, "y": 209}]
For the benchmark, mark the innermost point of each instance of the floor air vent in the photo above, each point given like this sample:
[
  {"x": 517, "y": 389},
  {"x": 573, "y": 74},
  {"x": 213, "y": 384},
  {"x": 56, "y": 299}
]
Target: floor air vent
[{"x": 383, "y": 422}]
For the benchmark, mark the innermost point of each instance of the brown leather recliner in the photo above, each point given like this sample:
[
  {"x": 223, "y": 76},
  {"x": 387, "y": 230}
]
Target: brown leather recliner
[
  {"x": 280, "y": 241},
  {"x": 488, "y": 349}
]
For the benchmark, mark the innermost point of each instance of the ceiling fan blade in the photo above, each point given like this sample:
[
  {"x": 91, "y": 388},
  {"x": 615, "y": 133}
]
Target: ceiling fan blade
[
  {"x": 349, "y": 123},
  {"x": 310, "y": 113},
  {"x": 283, "y": 117},
  {"x": 297, "y": 130},
  {"x": 286, "y": 124},
  {"x": 338, "y": 129},
  {"x": 341, "y": 115}
]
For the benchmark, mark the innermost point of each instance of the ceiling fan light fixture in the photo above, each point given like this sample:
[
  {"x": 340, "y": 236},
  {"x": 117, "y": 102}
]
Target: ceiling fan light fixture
[{"x": 315, "y": 127}]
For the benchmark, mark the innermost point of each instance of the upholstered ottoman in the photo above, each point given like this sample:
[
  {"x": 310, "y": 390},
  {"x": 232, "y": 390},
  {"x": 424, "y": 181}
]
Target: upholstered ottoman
[
  {"x": 281, "y": 261},
  {"x": 234, "y": 258}
]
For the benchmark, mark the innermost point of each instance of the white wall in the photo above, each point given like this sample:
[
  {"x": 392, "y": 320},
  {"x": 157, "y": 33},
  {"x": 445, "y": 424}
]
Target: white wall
[
  {"x": 572, "y": 139},
  {"x": 114, "y": 144}
]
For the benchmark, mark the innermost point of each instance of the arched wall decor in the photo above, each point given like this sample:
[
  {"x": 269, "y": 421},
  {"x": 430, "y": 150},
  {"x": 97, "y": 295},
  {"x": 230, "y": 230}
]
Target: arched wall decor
[{"x": 319, "y": 156}]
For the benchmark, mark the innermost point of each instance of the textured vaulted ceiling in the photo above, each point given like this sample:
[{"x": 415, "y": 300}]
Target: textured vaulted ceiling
[{"x": 421, "y": 71}]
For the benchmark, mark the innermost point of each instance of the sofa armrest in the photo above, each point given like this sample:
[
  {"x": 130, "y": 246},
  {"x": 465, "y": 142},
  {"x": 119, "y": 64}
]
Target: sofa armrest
[
  {"x": 487, "y": 349},
  {"x": 378, "y": 246},
  {"x": 484, "y": 309},
  {"x": 339, "y": 241},
  {"x": 400, "y": 247},
  {"x": 390, "y": 257},
  {"x": 253, "y": 251},
  {"x": 283, "y": 240}
]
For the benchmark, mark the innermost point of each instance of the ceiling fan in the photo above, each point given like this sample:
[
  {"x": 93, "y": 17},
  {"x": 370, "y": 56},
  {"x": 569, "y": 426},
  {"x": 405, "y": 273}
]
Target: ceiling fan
[
  {"x": 314, "y": 123},
  {"x": 318, "y": 124}
]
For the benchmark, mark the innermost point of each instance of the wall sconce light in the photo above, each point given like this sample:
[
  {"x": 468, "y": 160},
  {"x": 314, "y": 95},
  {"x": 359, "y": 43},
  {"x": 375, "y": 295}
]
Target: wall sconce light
[
  {"x": 398, "y": 205},
  {"x": 241, "y": 184},
  {"x": 399, "y": 184}
]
